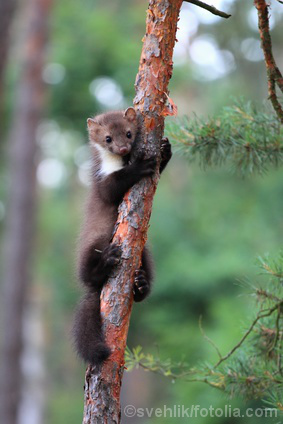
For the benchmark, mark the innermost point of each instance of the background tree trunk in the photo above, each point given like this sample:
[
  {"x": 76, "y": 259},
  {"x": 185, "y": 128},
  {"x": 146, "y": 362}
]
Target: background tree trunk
[
  {"x": 7, "y": 9},
  {"x": 102, "y": 385},
  {"x": 20, "y": 210},
  {"x": 34, "y": 373}
]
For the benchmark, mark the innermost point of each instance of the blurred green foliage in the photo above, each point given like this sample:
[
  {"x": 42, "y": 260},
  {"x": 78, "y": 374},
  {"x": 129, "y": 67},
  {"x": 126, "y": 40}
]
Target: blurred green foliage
[{"x": 206, "y": 229}]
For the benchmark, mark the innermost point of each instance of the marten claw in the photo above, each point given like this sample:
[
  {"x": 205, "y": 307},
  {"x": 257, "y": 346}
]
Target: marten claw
[
  {"x": 141, "y": 283},
  {"x": 111, "y": 255},
  {"x": 147, "y": 166},
  {"x": 165, "y": 148}
]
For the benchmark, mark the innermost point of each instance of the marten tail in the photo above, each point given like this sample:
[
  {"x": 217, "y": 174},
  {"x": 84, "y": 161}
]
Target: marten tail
[{"x": 87, "y": 331}]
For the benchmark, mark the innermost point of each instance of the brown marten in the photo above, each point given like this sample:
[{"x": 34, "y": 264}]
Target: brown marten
[{"x": 111, "y": 137}]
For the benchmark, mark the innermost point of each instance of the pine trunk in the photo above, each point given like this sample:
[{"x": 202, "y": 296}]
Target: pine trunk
[
  {"x": 7, "y": 9},
  {"x": 20, "y": 210},
  {"x": 103, "y": 384}
]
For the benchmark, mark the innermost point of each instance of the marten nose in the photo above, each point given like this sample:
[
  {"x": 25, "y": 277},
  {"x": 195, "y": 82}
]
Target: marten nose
[{"x": 123, "y": 150}]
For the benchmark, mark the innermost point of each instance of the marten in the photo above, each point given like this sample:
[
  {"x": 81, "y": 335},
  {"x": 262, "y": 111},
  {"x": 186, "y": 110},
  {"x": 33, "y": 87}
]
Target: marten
[{"x": 111, "y": 138}]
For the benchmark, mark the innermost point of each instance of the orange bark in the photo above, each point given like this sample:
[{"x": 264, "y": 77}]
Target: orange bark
[{"x": 102, "y": 386}]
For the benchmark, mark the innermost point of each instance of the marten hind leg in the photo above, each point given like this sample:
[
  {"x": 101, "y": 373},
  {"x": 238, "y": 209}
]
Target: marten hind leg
[
  {"x": 143, "y": 277},
  {"x": 97, "y": 265}
]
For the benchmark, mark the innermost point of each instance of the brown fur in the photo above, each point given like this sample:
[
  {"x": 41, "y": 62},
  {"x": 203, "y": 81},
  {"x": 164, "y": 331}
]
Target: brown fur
[{"x": 115, "y": 125}]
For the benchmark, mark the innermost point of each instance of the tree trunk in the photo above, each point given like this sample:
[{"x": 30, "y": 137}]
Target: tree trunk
[
  {"x": 103, "y": 384},
  {"x": 7, "y": 9},
  {"x": 20, "y": 210},
  {"x": 34, "y": 372}
]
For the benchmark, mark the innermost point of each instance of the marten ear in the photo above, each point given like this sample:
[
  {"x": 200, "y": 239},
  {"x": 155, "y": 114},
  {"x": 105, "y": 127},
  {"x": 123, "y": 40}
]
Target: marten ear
[
  {"x": 91, "y": 124},
  {"x": 130, "y": 114}
]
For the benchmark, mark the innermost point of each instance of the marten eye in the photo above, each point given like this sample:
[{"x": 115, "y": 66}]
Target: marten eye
[
  {"x": 108, "y": 139},
  {"x": 129, "y": 134}
]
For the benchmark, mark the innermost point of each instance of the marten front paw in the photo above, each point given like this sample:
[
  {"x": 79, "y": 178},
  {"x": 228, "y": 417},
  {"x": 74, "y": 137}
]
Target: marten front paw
[
  {"x": 141, "y": 286},
  {"x": 111, "y": 255},
  {"x": 165, "y": 149},
  {"x": 145, "y": 167},
  {"x": 166, "y": 153}
]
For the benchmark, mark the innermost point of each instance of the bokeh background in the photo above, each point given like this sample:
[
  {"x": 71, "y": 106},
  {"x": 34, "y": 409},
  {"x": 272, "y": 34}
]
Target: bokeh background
[{"x": 207, "y": 226}]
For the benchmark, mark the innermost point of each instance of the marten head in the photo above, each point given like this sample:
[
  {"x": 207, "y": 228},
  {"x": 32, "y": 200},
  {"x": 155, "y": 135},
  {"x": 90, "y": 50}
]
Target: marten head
[{"x": 114, "y": 132}]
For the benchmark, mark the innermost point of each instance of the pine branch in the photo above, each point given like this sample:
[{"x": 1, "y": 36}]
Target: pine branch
[
  {"x": 252, "y": 368},
  {"x": 274, "y": 75},
  {"x": 272, "y": 268},
  {"x": 248, "y": 139},
  {"x": 248, "y": 332},
  {"x": 136, "y": 358},
  {"x": 210, "y": 8}
]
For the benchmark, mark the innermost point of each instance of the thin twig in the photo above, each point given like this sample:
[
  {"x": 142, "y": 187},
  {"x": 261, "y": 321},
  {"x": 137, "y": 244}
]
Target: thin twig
[
  {"x": 260, "y": 316},
  {"x": 208, "y": 339},
  {"x": 273, "y": 98},
  {"x": 273, "y": 73},
  {"x": 279, "y": 357},
  {"x": 277, "y": 334},
  {"x": 182, "y": 375},
  {"x": 210, "y": 8}
]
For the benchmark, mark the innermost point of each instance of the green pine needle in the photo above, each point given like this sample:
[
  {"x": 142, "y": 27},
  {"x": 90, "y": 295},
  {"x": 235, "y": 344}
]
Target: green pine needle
[{"x": 248, "y": 139}]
